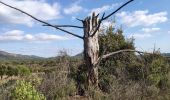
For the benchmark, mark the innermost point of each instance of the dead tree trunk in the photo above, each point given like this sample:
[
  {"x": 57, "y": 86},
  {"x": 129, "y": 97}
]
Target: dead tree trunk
[{"x": 91, "y": 49}]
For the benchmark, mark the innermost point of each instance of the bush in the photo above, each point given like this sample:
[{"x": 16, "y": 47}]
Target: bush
[
  {"x": 25, "y": 91},
  {"x": 23, "y": 71},
  {"x": 2, "y": 71},
  {"x": 10, "y": 71},
  {"x": 65, "y": 91},
  {"x": 95, "y": 94}
]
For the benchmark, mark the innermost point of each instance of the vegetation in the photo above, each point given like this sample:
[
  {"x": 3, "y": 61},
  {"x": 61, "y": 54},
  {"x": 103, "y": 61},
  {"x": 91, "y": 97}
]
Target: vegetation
[
  {"x": 124, "y": 76},
  {"x": 25, "y": 91},
  {"x": 9, "y": 70}
]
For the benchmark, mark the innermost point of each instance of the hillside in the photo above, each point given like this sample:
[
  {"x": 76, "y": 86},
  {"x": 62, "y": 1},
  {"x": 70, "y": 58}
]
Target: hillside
[
  {"x": 166, "y": 54},
  {"x": 11, "y": 56}
]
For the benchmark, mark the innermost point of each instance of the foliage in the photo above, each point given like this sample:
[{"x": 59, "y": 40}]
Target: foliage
[
  {"x": 79, "y": 74},
  {"x": 23, "y": 71},
  {"x": 25, "y": 91},
  {"x": 158, "y": 71},
  {"x": 10, "y": 70},
  {"x": 2, "y": 71},
  {"x": 59, "y": 83},
  {"x": 111, "y": 40},
  {"x": 148, "y": 71},
  {"x": 118, "y": 65},
  {"x": 65, "y": 91}
]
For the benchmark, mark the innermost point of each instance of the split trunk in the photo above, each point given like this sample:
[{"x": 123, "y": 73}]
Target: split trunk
[{"x": 91, "y": 49}]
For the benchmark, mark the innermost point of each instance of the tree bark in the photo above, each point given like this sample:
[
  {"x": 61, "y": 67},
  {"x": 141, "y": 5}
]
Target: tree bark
[{"x": 91, "y": 49}]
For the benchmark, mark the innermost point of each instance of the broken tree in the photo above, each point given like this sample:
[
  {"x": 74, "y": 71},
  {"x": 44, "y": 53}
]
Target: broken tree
[{"x": 91, "y": 26}]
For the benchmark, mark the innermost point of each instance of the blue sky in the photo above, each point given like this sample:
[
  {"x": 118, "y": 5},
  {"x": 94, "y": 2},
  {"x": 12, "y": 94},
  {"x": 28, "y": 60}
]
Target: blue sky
[{"x": 146, "y": 20}]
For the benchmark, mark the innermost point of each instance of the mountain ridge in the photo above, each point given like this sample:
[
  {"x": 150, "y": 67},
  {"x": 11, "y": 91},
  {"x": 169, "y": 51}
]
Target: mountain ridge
[{"x": 12, "y": 56}]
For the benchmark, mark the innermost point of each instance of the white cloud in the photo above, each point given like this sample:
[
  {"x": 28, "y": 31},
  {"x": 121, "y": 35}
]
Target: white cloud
[
  {"x": 147, "y": 32},
  {"x": 142, "y": 18},
  {"x": 100, "y": 10},
  {"x": 107, "y": 23},
  {"x": 103, "y": 9},
  {"x": 73, "y": 9},
  {"x": 37, "y": 8},
  {"x": 18, "y": 35},
  {"x": 48, "y": 37},
  {"x": 140, "y": 36},
  {"x": 168, "y": 32},
  {"x": 150, "y": 30},
  {"x": 14, "y": 33}
]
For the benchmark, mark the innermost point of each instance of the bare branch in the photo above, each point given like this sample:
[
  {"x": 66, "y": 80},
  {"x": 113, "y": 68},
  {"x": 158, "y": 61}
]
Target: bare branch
[
  {"x": 104, "y": 18},
  {"x": 45, "y": 23},
  {"x": 117, "y": 9},
  {"x": 66, "y": 26},
  {"x": 120, "y": 51},
  {"x": 100, "y": 58},
  {"x": 97, "y": 15},
  {"x": 79, "y": 19},
  {"x": 68, "y": 32}
]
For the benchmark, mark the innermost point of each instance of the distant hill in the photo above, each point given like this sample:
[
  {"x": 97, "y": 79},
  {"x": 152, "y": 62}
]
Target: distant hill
[
  {"x": 11, "y": 56},
  {"x": 80, "y": 55},
  {"x": 166, "y": 54}
]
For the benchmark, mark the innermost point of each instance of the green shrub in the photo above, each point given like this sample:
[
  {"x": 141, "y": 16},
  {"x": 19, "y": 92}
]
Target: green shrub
[
  {"x": 66, "y": 90},
  {"x": 95, "y": 94},
  {"x": 158, "y": 71},
  {"x": 34, "y": 79},
  {"x": 23, "y": 71},
  {"x": 10, "y": 71},
  {"x": 25, "y": 91},
  {"x": 2, "y": 70}
]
